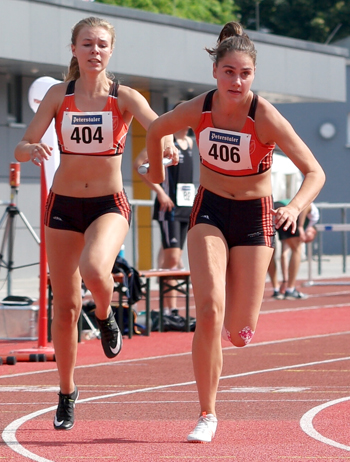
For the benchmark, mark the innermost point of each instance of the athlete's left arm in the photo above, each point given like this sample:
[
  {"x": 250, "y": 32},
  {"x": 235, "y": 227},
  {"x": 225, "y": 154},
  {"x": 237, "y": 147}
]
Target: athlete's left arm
[{"x": 272, "y": 127}]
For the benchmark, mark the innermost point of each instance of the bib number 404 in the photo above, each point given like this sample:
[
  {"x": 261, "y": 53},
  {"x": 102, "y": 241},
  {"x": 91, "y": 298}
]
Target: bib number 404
[
  {"x": 225, "y": 153},
  {"x": 86, "y": 135}
]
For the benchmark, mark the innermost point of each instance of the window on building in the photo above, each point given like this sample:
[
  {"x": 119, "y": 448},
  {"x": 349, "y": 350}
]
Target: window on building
[{"x": 14, "y": 98}]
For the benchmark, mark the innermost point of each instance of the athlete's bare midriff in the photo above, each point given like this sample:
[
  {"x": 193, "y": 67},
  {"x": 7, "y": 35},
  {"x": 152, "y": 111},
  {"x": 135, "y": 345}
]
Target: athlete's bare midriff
[
  {"x": 238, "y": 188},
  {"x": 77, "y": 176}
]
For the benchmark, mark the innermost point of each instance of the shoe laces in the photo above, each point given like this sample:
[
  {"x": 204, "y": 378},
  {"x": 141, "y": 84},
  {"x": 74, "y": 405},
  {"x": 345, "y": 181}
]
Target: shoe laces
[
  {"x": 204, "y": 420},
  {"x": 65, "y": 409},
  {"x": 109, "y": 328}
]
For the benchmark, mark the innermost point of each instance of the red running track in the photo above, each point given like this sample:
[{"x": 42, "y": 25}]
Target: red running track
[{"x": 283, "y": 398}]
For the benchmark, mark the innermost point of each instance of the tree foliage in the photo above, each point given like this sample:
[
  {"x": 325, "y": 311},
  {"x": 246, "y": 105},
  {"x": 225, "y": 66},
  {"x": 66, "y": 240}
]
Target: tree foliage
[
  {"x": 210, "y": 11},
  {"x": 314, "y": 20}
]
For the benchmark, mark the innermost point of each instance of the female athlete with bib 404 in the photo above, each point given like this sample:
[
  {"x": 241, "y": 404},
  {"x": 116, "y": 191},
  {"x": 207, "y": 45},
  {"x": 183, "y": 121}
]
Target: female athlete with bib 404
[
  {"x": 87, "y": 211},
  {"x": 231, "y": 231}
]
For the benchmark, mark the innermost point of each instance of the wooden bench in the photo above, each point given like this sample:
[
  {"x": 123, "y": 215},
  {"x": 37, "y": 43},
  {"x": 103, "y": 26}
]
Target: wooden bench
[{"x": 182, "y": 285}]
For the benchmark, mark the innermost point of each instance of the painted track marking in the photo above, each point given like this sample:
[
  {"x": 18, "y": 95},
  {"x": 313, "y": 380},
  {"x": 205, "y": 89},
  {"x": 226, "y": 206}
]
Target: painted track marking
[
  {"x": 174, "y": 355},
  {"x": 9, "y": 433},
  {"x": 308, "y": 428}
]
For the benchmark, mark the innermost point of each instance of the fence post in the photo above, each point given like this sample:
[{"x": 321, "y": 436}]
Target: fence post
[{"x": 343, "y": 216}]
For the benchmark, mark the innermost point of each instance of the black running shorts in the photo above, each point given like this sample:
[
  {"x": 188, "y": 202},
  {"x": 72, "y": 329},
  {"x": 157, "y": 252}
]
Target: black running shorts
[
  {"x": 243, "y": 223},
  {"x": 77, "y": 213}
]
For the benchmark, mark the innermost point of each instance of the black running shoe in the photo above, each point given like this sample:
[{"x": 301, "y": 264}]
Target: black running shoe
[
  {"x": 64, "y": 418},
  {"x": 111, "y": 337}
]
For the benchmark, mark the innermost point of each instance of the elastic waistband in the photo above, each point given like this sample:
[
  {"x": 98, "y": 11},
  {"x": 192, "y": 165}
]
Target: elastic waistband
[
  {"x": 205, "y": 191},
  {"x": 88, "y": 199}
]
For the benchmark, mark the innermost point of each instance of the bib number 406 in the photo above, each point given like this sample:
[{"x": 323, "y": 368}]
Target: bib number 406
[
  {"x": 86, "y": 135},
  {"x": 225, "y": 153}
]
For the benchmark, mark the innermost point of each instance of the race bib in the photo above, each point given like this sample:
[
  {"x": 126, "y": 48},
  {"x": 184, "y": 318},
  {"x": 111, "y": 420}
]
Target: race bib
[
  {"x": 185, "y": 193},
  {"x": 87, "y": 132},
  {"x": 225, "y": 150}
]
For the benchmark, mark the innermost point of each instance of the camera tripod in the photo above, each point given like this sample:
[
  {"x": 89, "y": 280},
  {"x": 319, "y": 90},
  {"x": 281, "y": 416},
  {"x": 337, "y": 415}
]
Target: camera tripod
[{"x": 8, "y": 218}]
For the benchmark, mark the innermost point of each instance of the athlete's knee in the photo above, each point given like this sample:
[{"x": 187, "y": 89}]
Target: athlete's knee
[
  {"x": 172, "y": 258},
  {"x": 209, "y": 317},
  {"x": 240, "y": 339},
  {"x": 67, "y": 314},
  {"x": 95, "y": 277}
]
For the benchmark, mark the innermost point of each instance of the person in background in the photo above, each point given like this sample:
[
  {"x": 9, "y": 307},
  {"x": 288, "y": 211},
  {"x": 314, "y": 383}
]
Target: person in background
[
  {"x": 172, "y": 206},
  {"x": 291, "y": 253},
  {"x": 87, "y": 211},
  {"x": 309, "y": 231},
  {"x": 231, "y": 231}
]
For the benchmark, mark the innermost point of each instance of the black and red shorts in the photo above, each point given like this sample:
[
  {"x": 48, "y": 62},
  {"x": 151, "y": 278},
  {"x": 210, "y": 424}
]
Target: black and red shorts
[
  {"x": 242, "y": 223},
  {"x": 77, "y": 213}
]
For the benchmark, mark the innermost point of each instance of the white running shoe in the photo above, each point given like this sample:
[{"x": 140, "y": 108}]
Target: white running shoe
[{"x": 205, "y": 429}]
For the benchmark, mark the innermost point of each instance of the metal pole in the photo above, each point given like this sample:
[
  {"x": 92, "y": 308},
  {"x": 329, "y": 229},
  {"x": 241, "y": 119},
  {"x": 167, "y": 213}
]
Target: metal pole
[
  {"x": 134, "y": 236},
  {"x": 135, "y": 203},
  {"x": 319, "y": 247},
  {"x": 43, "y": 319},
  {"x": 344, "y": 236},
  {"x": 309, "y": 259},
  {"x": 257, "y": 15},
  {"x": 10, "y": 252}
]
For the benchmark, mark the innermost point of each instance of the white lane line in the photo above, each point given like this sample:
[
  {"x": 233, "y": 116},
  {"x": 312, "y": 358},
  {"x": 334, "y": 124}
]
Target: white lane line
[
  {"x": 306, "y": 308},
  {"x": 9, "y": 433},
  {"x": 181, "y": 401},
  {"x": 9, "y": 436},
  {"x": 308, "y": 428},
  {"x": 174, "y": 355}
]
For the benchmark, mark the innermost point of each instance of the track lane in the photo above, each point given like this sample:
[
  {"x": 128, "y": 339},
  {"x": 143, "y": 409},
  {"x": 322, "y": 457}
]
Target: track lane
[{"x": 147, "y": 412}]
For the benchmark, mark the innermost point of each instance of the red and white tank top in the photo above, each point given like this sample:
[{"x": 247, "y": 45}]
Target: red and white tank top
[
  {"x": 228, "y": 152},
  {"x": 91, "y": 133}
]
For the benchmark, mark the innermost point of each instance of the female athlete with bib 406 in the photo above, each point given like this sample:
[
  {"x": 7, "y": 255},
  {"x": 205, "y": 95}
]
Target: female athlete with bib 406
[
  {"x": 87, "y": 212},
  {"x": 231, "y": 231}
]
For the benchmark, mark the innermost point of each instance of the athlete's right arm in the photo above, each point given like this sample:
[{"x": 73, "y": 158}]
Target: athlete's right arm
[
  {"x": 164, "y": 200},
  {"x": 184, "y": 115},
  {"x": 30, "y": 147}
]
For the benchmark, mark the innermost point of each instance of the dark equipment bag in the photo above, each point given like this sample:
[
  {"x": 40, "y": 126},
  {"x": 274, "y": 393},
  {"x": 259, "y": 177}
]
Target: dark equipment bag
[
  {"x": 132, "y": 281},
  {"x": 171, "y": 322}
]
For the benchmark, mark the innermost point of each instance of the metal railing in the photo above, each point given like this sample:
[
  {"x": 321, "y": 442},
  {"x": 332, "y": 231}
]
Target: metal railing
[
  {"x": 342, "y": 227},
  {"x": 135, "y": 203}
]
